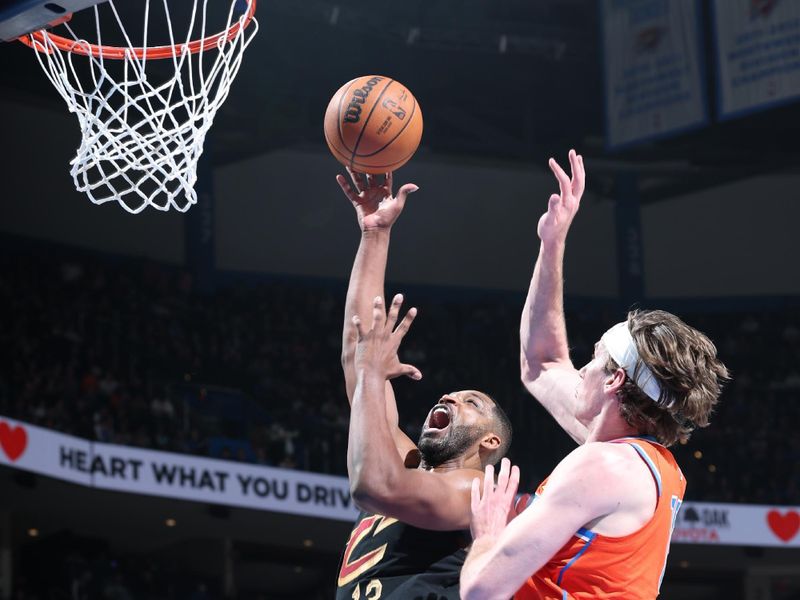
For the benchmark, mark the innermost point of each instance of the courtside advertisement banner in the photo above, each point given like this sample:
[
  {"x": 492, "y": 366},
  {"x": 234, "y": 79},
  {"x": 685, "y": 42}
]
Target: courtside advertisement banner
[
  {"x": 654, "y": 81},
  {"x": 758, "y": 54},
  {"x": 737, "y": 525},
  {"x": 171, "y": 475},
  {"x": 184, "y": 477}
]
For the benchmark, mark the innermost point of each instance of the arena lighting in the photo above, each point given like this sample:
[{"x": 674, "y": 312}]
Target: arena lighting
[
  {"x": 684, "y": 564},
  {"x": 308, "y": 543},
  {"x": 712, "y": 468},
  {"x": 698, "y": 455},
  {"x": 33, "y": 532},
  {"x": 170, "y": 522}
]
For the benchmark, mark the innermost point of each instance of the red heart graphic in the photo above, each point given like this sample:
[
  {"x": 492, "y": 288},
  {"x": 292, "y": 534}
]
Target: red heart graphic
[
  {"x": 784, "y": 526},
  {"x": 13, "y": 441}
]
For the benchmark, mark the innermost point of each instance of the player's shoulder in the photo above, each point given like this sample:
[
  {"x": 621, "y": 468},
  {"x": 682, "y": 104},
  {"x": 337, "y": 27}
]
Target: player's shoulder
[
  {"x": 597, "y": 474},
  {"x": 600, "y": 451},
  {"x": 601, "y": 460},
  {"x": 581, "y": 481}
]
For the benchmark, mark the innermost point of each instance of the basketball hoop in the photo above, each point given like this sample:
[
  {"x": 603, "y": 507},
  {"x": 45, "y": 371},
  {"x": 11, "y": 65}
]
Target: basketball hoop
[{"x": 143, "y": 135}]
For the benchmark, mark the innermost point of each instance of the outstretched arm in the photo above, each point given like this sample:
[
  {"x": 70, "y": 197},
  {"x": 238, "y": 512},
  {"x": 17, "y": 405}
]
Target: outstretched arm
[
  {"x": 379, "y": 482},
  {"x": 377, "y": 210},
  {"x": 545, "y": 367}
]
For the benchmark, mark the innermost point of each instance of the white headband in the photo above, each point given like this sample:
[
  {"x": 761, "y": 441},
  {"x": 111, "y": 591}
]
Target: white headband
[{"x": 619, "y": 343}]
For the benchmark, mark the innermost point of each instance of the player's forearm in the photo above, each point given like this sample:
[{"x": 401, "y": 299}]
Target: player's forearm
[
  {"x": 543, "y": 332},
  {"x": 479, "y": 580},
  {"x": 366, "y": 282},
  {"x": 498, "y": 565},
  {"x": 373, "y": 463}
]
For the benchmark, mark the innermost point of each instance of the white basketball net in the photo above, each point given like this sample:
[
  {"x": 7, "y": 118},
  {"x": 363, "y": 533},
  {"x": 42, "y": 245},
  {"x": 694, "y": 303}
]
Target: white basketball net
[{"x": 142, "y": 135}]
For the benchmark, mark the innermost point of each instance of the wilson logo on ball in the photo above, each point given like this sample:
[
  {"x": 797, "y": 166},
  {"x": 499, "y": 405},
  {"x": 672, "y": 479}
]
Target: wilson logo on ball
[{"x": 353, "y": 112}]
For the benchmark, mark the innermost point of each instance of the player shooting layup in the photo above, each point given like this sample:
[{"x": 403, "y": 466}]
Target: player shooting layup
[{"x": 409, "y": 540}]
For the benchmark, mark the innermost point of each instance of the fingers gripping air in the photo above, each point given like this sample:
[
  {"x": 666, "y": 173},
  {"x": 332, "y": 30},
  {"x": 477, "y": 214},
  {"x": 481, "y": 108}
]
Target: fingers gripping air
[{"x": 377, "y": 347}]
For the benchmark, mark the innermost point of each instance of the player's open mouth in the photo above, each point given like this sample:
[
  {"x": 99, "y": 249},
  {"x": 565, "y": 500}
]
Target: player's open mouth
[{"x": 439, "y": 418}]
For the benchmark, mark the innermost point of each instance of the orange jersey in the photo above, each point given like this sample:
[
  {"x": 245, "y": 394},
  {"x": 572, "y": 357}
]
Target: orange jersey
[{"x": 591, "y": 565}]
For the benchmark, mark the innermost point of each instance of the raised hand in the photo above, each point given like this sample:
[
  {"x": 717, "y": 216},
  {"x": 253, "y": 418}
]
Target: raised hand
[
  {"x": 492, "y": 510},
  {"x": 561, "y": 208},
  {"x": 375, "y": 205},
  {"x": 376, "y": 350}
]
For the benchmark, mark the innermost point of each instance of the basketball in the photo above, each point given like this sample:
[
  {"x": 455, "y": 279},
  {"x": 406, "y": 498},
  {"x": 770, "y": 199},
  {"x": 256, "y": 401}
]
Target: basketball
[{"x": 373, "y": 124}]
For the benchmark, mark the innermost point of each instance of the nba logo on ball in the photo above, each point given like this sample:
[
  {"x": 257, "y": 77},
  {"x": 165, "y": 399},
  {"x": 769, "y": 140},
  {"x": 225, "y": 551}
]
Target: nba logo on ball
[{"x": 373, "y": 124}]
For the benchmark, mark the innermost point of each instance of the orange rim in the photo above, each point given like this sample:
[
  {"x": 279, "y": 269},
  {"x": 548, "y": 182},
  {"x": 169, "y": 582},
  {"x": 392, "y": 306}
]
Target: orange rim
[{"x": 36, "y": 40}]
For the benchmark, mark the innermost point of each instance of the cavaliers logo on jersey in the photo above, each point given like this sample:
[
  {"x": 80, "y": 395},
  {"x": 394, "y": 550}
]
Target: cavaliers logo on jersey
[{"x": 354, "y": 567}]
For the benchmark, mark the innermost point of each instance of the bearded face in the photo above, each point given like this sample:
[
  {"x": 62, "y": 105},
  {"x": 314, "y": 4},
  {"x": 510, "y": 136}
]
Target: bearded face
[
  {"x": 455, "y": 424},
  {"x": 438, "y": 450}
]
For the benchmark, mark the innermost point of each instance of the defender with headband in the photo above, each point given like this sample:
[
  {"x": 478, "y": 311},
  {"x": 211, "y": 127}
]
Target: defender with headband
[
  {"x": 621, "y": 348},
  {"x": 599, "y": 526}
]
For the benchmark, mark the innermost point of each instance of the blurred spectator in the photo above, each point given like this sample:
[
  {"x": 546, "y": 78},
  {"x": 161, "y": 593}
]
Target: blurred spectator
[{"x": 127, "y": 353}]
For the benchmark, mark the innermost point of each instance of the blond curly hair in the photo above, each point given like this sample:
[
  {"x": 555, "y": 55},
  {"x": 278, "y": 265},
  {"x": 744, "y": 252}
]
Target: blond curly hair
[{"x": 685, "y": 364}]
